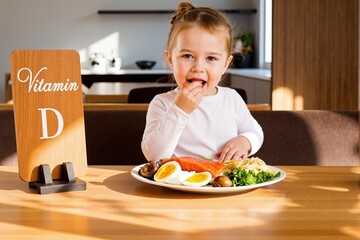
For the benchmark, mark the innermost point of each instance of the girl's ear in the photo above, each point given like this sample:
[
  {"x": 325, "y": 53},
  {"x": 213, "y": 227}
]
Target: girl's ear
[
  {"x": 168, "y": 57},
  {"x": 228, "y": 61}
]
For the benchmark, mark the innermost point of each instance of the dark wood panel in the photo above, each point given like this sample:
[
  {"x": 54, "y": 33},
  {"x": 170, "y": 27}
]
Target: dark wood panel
[{"x": 315, "y": 54}]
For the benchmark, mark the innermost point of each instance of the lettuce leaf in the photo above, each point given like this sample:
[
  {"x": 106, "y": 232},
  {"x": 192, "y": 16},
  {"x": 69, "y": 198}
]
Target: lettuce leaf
[{"x": 242, "y": 177}]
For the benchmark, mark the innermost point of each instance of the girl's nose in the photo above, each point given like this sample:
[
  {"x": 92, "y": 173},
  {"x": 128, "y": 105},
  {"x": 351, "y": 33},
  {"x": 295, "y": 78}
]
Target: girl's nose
[{"x": 198, "y": 66}]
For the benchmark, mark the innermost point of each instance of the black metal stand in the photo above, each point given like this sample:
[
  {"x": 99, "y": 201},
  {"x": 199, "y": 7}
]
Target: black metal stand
[{"x": 48, "y": 185}]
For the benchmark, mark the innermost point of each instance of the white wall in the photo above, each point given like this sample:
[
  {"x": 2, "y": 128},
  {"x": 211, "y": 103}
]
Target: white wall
[{"x": 75, "y": 24}]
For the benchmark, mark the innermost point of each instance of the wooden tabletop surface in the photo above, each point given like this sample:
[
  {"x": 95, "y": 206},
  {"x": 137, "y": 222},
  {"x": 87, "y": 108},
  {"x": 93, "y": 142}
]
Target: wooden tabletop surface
[{"x": 310, "y": 203}]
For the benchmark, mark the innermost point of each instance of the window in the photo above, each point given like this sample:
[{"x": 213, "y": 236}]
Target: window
[
  {"x": 265, "y": 40},
  {"x": 268, "y": 32}
]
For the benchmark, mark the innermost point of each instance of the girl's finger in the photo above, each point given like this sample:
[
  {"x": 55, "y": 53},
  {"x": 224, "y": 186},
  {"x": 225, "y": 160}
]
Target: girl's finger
[
  {"x": 237, "y": 156},
  {"x": 224, "y": 151}
]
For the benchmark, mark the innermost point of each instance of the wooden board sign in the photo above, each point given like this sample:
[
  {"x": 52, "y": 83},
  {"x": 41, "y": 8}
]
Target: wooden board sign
[{"x": 48, "y": 108}]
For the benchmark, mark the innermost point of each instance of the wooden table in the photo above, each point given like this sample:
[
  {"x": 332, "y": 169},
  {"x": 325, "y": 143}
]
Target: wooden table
[
  {"x": 311, "y": 203},
  {"x": 116, "y": 92}
]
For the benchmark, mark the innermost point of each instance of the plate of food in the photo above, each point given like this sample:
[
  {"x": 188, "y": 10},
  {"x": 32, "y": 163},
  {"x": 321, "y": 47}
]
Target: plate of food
[{"x": 197, "y": 175}]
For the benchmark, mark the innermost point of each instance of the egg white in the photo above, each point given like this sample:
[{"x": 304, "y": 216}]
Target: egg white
[{"x": 179, "y": 179}]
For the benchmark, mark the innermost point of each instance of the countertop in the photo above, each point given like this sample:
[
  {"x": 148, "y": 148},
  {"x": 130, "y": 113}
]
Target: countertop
[{"x": 258, "y": 73}]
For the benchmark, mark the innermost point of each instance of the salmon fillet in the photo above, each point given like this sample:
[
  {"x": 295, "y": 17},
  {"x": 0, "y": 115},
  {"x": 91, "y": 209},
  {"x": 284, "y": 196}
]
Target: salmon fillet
[{"x": 189, "y": 163}]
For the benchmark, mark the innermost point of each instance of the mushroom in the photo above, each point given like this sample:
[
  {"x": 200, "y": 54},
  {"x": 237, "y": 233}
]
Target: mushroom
[
  {"x": 149, "y": 170},
  {"x": 221, "y": 181}
]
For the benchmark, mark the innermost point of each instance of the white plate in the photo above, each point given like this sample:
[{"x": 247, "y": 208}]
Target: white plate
[{"x": 208, "y": 188}]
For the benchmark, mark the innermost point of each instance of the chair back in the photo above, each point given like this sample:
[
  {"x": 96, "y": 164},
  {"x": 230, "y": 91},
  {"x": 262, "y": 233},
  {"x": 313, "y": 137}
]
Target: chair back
[
  {"x": 242, "y": 93},
  {"x": 146, "y": 94}
]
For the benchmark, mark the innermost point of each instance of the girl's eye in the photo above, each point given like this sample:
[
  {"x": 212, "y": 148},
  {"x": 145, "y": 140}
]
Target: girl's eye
[
  {"x": 211, "y": 58},
  {"x": 187, "y": 56}
]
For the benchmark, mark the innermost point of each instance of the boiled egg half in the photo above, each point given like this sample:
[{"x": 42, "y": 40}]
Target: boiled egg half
[
  {"x": 198, "y": 179},
  {"x": 167, "y": 171},
  {"x": 172, "y": 173}
]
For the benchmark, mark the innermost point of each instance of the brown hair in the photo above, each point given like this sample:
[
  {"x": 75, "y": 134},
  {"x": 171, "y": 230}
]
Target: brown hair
[{"x": 186, "y": 15}]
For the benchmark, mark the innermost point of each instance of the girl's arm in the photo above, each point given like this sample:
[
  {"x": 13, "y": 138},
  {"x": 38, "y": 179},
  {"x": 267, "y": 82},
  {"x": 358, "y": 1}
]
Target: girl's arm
[
  {"x": 164, "y": 125},
  {"x": 253, "y": 133},
  {"x": 249, "y": 140}
]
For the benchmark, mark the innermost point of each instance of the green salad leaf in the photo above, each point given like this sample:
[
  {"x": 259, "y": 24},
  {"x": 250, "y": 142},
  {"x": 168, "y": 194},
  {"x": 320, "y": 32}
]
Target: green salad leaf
[{"x": 243, "y": 177}]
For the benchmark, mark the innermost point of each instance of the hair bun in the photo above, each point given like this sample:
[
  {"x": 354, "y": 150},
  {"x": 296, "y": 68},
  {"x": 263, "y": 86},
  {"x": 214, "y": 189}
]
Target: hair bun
[{"x": 183, "y": 8}]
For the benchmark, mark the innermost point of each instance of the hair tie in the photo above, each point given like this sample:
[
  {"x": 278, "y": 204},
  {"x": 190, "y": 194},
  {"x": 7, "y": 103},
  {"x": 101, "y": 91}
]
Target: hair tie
[{"x": 181, "y": 10}]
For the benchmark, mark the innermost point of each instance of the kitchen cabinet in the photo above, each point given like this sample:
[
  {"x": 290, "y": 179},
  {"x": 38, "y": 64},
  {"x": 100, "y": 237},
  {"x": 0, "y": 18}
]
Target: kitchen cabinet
[
  {"x": 258, "y": 90},
  {"x": 88, "y": 77}
]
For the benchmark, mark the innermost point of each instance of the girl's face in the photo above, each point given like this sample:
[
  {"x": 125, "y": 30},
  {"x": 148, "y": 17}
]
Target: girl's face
[{"x": 199, "y": 55}]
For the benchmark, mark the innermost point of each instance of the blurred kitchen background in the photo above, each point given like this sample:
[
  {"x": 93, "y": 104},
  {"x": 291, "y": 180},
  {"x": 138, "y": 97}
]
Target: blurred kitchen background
[
  {"x": 311, "y": 63},
  {"x": 68, "y": 24}
]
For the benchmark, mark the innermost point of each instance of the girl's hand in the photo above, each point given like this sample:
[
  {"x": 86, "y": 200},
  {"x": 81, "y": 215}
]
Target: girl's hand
[
  {"x": 236, "y": 148},
  {"x": 189, "y": 97}
]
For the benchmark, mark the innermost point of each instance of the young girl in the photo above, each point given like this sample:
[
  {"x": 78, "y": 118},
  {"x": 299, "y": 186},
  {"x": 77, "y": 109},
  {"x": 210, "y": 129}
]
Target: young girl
[{"x": 200, "y": 118}]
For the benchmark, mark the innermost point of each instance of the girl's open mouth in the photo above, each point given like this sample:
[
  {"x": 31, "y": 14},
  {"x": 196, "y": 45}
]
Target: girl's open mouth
[{"x": 203, "y": 82}]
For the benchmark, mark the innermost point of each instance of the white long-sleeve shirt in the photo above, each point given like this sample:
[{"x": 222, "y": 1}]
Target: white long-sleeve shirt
[{"x": 171, "y": 132}]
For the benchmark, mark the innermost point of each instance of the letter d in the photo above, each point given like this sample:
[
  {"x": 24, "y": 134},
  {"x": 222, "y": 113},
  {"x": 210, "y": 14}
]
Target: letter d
[{"x": 44, "y": 123}]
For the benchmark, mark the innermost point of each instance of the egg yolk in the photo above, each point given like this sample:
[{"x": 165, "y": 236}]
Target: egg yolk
[
  {"x": 198, "y": 177},
  {"x": 165, "y": 171}
]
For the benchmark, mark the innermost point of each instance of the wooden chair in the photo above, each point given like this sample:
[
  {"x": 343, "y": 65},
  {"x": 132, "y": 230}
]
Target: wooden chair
[
  {"x": 146, "y": 94},
  {"x": 242, "y": 93}
]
